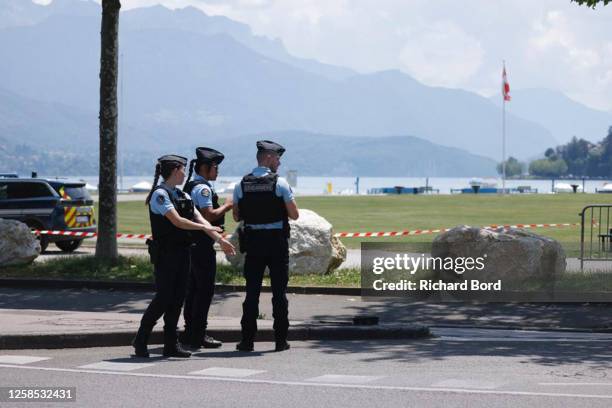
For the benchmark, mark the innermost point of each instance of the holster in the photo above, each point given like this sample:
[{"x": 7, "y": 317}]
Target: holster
[
  {"x": 243, "y": 238},
  {"x": 154, "y": 250}
]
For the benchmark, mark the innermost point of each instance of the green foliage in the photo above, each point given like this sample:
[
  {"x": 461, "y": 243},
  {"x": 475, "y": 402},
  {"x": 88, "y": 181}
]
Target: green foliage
[
  {"x": 579, "y": 156},
  {"x": 513, "y": 167},
  {"x": 591, "y": 3},
  {"x": 139, "y": 269},
  {"x": 548, "y": 168}
]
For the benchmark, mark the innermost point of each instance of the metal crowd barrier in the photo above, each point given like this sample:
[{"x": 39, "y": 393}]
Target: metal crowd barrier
[{"x": 595, "y": 234}]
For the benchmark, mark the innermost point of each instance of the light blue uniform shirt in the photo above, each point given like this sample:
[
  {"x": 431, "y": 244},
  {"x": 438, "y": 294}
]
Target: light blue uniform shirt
[
  {"x": 282, "y": 190},
  {"x": 202, "y": 194},
  {"x": 160, "y": 201}
]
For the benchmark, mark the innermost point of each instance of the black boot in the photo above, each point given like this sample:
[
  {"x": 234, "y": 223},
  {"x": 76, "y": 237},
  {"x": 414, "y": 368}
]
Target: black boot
[
  {"x": 209, "y": 343},
  {"x": 141, "y": 340},
  {"x": 175, "y": 350},
  {"x": 245, "y": 345},
  {"x": 282, "y": 346}
]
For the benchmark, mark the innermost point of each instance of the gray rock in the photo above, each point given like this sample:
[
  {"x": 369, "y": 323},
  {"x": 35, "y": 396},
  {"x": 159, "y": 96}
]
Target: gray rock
[
  {"x": 312, "y": 247},
  {"x": 17, "y": 244},
  {"x": 509, "y": 253}
]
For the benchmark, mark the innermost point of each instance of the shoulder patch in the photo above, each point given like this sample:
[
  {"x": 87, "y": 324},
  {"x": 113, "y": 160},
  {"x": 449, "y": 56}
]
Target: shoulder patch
[
  {"x": 161, "y": 199},
  {"x": 205, "y": 192}
]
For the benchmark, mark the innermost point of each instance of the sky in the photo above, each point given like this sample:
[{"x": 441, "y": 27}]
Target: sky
[{"x": 552, "y": 44}]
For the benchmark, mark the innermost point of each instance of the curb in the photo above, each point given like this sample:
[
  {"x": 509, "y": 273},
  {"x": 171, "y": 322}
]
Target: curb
[
  {"x": 296, "y": 333},
  {"x": 33, "y": 283}
]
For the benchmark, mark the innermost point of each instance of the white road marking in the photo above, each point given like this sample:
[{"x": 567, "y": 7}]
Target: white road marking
[
  {"x": 315, "y": 384},
  {"x": 227, "y": 372},
  {"x": 562, "y": 384},
  {"x": 458, "y": 383},
  {"x": 344, "y": 379},
  {"x": 520, "y": 339},
  {"x": 12, "y": 359},
  {"x": 116, "y": 366}
]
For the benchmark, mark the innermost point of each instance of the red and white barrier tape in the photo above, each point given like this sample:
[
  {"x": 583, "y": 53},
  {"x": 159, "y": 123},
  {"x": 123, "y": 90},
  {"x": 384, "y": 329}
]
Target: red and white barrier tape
[
  {"x": 436, "y": 231},
  {"x": 338, "y": 234},
  {"x": 87, "y": 234}
]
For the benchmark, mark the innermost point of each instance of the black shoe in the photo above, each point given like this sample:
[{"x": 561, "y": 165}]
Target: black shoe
[
  {"x": 176, "y": 351},
  {"x": 140, "y": 350},
  {"x": 244, "y": 346},
  {"x": 282, "y": 346},
  {"x": 140, "y": 342},
  {"x": 210, "y": 343}
]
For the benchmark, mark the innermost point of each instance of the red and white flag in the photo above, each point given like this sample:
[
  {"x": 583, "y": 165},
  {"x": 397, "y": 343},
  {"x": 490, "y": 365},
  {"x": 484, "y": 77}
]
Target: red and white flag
[{"x": 505, "y": 86}]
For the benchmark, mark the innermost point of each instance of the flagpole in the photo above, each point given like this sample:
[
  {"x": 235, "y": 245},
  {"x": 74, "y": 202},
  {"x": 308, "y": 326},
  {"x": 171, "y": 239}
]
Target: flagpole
[
  {"x": 504, "y": 137},
  {"x": 504, "y": 147}
]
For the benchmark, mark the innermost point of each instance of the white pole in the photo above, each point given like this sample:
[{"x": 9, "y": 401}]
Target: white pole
[
  {"x": 504, "y": 132},
  {"x": 504, "y": 147}
]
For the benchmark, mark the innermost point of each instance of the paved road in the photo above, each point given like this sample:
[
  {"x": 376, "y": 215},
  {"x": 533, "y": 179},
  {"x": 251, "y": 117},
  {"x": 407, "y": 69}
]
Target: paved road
[
  {"x": 473, "y": 368},
  {"x": 320, "y": 308}
]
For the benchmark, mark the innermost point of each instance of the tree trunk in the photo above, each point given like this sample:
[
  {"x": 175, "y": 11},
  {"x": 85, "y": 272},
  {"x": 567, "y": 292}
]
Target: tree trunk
[{"x": 106, "y": 245}]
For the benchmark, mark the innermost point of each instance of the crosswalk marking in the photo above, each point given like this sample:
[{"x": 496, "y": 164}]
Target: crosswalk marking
[
  {"x": 459, "y": 383},
  {"x": 376, "y": 387},
  {"x": 13, "y": 359},
  {"x": 227, "y": 372},
  {"x": 345, "y": 379},
  {"x": 116, "y": 366}
]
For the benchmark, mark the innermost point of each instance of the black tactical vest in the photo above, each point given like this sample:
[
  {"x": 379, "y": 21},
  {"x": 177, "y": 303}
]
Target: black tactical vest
[
  {"x": 215, "y": 198},
  {"x": 259, "y": 203},
  {"x": 163, "y": 230}
]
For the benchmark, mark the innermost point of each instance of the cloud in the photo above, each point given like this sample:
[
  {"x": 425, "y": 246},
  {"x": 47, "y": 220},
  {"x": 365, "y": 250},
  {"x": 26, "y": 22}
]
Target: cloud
[
  {"x": 441, "y": 54},
  {"x": 546, "y": 43}
]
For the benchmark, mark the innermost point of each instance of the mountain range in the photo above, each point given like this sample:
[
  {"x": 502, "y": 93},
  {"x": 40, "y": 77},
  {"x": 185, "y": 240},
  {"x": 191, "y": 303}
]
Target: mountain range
[{"x": 189, "y": 79}]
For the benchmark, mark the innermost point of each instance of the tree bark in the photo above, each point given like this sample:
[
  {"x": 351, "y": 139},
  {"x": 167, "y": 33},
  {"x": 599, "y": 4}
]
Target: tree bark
[{"x": 106, "y": 245}]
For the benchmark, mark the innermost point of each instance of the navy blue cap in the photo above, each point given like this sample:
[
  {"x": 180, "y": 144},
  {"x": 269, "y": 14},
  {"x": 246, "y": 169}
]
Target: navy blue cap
[
  {"x": 208, "y": 155},
  {"x": 173, "y": 158},
  {"x": 270, "y": 146}
]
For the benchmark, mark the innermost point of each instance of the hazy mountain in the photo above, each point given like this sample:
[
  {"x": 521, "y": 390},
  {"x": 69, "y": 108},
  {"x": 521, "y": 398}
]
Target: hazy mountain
[
  {"x": 194, "y": 20},
  {"x": 555, "y": 111},
  {"x": 403, "y": 156},
  {"x": 14, "y": 13},
  {"x": 311, "y": 154},
  {"x": 45, "y": 124},
  {"x": 185, "y": 84},
  {"x": 52, "y": 125}
]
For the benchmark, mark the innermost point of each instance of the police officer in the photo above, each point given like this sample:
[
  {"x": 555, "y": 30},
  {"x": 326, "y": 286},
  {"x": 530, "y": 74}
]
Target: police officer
[
  {"x": 264, "y": 202},
  {"x": 172, "y": 215},
  {"x": 201, "y": 284}
]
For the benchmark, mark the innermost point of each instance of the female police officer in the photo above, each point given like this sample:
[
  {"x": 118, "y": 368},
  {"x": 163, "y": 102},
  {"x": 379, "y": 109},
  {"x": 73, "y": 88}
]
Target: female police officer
[
  {"x": 172, "y": 216},
  {"x": 201, "y": 284}
]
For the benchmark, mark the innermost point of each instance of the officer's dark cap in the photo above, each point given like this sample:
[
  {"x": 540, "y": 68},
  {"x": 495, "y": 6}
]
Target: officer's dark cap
[
  {"x": 209, "y": 156},
  {"x": 269, "y": 146},
  {"x": 173, "y": 158}
]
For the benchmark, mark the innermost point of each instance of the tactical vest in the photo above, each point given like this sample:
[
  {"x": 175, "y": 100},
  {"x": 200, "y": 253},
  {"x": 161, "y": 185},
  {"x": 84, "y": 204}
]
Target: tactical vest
[
  {"x": 163, "y": 230},
  {"x": 259, "y": 203},
  {"x": 215, "y": 199}
]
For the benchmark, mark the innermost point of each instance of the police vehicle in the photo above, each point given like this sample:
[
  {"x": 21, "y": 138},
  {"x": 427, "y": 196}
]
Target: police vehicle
[{"x": 48, "y": 205}]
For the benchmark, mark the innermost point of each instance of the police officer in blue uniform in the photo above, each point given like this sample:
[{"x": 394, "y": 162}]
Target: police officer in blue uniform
[
  {"x": 265, "y": 203},
  {"x": 201, "y": 285},
  {"x": 172, "y": 216}
]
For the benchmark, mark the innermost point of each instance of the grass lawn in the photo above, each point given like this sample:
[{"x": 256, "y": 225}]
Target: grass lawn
[
  {"x": 139, "y": 269},
  {"x": 408, "y": 212}
]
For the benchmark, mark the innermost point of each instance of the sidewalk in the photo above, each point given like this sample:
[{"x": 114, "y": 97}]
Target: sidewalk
[
  {"x": 49, "y": 318},
  {"x": 58, "y": 318}
]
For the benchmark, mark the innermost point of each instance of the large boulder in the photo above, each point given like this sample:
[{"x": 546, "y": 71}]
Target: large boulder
[
  {"x": 312, "y": 246},
  {"x": 17, "y": 243},
  {"x": 509, "y": 253}
]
